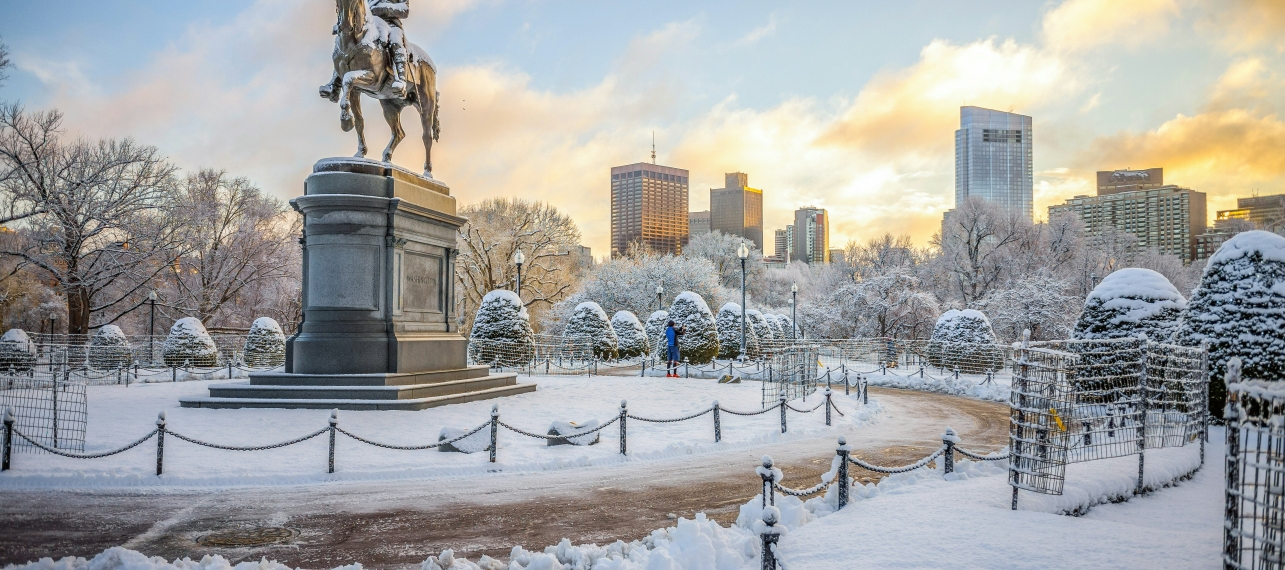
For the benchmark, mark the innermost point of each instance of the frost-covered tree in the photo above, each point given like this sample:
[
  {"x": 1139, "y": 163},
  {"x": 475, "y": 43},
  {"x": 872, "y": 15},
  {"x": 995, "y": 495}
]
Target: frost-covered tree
[
  {"x": 758, "y": 326},
  {"x": 1130, "y": 302},
  {"x": 629, "y": 284},
  {"x": 588, "y": 327},
  {"x": 17, "y": 352},
  {"x": 655, "y": 328},
  {"x": 720, "y": 249},
  {"x": 728, "y": 325},
  {"x": 501, "y": 333},
  {"x": 109, "y": 349},
  {"x": 265, "y": 345},
  {"x": 699, "y": 344},
  {"x": 188, "y": 344},
  {"x": 630, "y": 335},
  {"x": 1037, "y": 303},
  {"x": 964, "y": 340},
  {"x": 1239, "y": 309}
]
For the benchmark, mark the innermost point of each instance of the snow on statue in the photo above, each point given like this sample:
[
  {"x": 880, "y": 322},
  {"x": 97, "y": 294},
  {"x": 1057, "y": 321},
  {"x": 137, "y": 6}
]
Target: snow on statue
[
  {"x": 109, "y": 349},
  {"x": 501, "y": 332},
  {"x": 964, "y": 340},
  {"x": 265, "y": 345},
  {"x": 700, "y": 344},
  {"x": 1130, "y": 302},
  {"x": 589, "y": 328},
  {"x": 631, "y": 338},
  {"x": 189, "y": 345},
  {"x": 1239, "y": 308}
]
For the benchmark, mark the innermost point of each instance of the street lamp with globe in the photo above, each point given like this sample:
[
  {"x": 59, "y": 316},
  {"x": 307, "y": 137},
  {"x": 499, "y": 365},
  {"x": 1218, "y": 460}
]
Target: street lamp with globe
[
  {"x": 519, "y": 258},
  {"x": 660, "y": 297},
  {"x": 743, "y": 252},
  {"x": 151, "y": 327},
  {"x": 794, "y": 310}
]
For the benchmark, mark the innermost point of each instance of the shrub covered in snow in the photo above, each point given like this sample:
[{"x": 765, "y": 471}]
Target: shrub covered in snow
[
  {"x": 501, "y": 332},
  {"x": 964, "y": 340},
  {"x": 1130, "y": 302},
  {"x": 699, "y": 344},
  {"x": 655, "y": 328},
  {"x": 762, "y": 329},
  {"x": 1239, "y": 309},
  {"x": 265, "y": 345},
  {"x": 778, "y": 330},
  {"x": 589, "y": 327},
  {"x": 728, "y": 325},
  {"x": 109, "y": 349},
  {"x": 631, "y": 338},
  {"x": 787, "y": 326},
  {"x": 189, "y": 345},
  {"x": 17, "y": 352}
]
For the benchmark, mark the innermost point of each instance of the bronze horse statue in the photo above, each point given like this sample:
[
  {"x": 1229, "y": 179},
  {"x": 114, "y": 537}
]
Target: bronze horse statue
[{"x": 363, "y": 65}]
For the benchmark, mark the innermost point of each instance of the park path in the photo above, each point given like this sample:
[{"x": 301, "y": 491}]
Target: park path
[{"x": 396, "y": 524}]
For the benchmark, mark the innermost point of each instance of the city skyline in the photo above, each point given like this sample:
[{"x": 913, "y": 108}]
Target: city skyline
[{"x": 538, "y": 97}]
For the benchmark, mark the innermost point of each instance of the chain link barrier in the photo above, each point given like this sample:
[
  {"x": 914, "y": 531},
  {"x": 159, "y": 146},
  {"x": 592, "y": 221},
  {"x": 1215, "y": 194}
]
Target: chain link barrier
[
  {"x": 75, "y": 455},
  {"x": 413, "y": 447},
  {"x": 248, "y": 447}
]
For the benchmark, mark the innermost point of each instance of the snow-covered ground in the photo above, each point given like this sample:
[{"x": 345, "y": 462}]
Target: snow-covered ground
[
  {"x": 933, "y": 380},
  {"x": 119, "y": 415}
]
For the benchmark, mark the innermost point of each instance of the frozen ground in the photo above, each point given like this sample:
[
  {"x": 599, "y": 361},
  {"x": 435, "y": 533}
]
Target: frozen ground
[
  {"x": 119, "y": 415},
  {"x": 944, "y": 382}
]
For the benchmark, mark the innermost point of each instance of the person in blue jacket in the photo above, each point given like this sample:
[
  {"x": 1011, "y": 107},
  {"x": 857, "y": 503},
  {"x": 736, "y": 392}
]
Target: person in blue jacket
[{"x": 671, "y": 342}]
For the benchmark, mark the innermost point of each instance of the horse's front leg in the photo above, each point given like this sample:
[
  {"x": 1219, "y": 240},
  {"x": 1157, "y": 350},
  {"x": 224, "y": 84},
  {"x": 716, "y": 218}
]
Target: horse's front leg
[
  {"x": 393, "y": 115},
  {"x": 358, "y": 122},
  {"x": 331, "y": 90}
]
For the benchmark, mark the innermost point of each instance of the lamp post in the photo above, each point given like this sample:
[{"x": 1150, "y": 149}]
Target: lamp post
[
  {"x": 519, "y": 258},
  {"x": 660, "y": 297},
  {"x": 794, "y": 310},
  {"x": 53, "y": 323},
  {"x": 743, "y": 253},
  {"x": 151, "y": 328}
]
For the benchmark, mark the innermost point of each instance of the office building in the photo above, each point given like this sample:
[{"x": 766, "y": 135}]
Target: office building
[
  {"x": 993, "y": 158},
  {"x": 736, "y": 209},
  {"x": 1168, "y": 218},
  {"x": 1253, "y": 213},
  {"x": 784, "y": 244},
  {"x": 836, "y": 255},
  {"x": 1117, "y": 181},
  {"x": 648, "y": 207},
  {"x": 697, "y": 223},
  {"x": 811, "y": 236}
]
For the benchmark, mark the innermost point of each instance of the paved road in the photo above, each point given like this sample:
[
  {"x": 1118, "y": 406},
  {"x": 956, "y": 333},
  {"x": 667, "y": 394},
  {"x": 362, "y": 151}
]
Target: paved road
[{"x": 398, "y": 524}]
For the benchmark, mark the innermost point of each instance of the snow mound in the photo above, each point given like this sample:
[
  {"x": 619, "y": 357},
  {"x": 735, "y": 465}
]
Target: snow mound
[
  {"x": 591, "y": 306},
  {"x": 1137, "y": 294},
  {"x": 695, "y": 299},
  {"x": 1270, "y": 245}
]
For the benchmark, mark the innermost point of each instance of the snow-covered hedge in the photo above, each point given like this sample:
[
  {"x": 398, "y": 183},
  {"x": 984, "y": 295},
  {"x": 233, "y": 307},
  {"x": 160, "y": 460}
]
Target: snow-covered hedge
[
  {"x": 631, "y": 338},
  {"x": 17, "y": 352},
  {"x": 589, "y": 327},
  {"x": 787, "y": 326},
  {"x": 189, "y": 345},
  {"x": 778, "y": 328},
  {"x": 109, "y": 349},
  {"x": 699, "y": 344},
  {"x": 964, "y": 340},
  {"x": 1239, "y": 308},
  {"x": 501, "y": 332},
  {"x": 728, "y": 325},
  {"x": 1130, "y": 302},
  {"x": 655, "y": 328},
  {"x": 265, "y": 345},
  {"x": 762, "y": 329}
]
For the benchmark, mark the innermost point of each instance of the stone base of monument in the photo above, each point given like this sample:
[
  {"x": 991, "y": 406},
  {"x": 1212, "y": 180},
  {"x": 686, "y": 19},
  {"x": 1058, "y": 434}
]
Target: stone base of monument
[{"x": 378, "y": 267}]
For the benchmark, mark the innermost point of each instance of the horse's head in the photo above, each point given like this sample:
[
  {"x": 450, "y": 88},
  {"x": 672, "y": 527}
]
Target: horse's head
[{"x": 352, "y": 16}]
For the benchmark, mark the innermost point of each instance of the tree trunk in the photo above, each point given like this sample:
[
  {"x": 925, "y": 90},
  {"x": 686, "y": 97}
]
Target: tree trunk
[{"x": 77, "y": 310}]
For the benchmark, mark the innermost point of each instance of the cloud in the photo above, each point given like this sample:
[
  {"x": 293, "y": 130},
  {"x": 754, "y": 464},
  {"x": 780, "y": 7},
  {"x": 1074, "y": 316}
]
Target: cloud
[
  {"x": 1086, "y": 24},
  {"x": 753, "y": 37},
  {"x": 1244, "y": 25}
]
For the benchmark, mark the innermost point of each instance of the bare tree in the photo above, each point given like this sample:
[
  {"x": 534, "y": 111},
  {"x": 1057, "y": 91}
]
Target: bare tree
[
  {"x": 497, "y": 229},
  {"x": 879, "y": 255},
  {"x": 96, "y": 214},
  {"x": 238, "y": 239},
  {"x": 5, "y": 63},
  {"x": 720, "y": 249},
  {"x": 973, "y": 247}
]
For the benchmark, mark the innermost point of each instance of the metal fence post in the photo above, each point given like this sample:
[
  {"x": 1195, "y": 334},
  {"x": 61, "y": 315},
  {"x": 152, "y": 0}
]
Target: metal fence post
[
  {"x": 783, "y": 407},
  {"x": 160, "y": 443},
  {"x": 495, "y": 428},
  {"x": 8, "y": 439},
  {"x": 827, "y": 406},
  {"x": 687, "y": 368},
  {"x": 769, "y": 481},
  {"x": 1231, "y": 522},
  {"x": 843, "y": 484},
  {"x": 1142, "y": 421},
  {"x": 865, "y": 392},
  {"x": 718, "y": 424},
  {"x": 624, "y": 413},
  {"x": 770, "y": 537},
  {"x": 334, "y": 421},
  {"x": 948, "y": 439}
]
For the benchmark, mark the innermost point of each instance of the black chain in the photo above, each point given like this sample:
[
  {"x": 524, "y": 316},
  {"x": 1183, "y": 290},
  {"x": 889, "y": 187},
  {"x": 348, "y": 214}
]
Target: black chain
[
  {"x": 980, "y": 457},
  {"x": 667, "y": 421},
  {"x": 249, "y": 448},
  {"x": 75, "y": 455},
  {"x": 568, "y": 436},
  {"x": 818, "y": 406},
  {"x": 904, "y": 468},
  {"x": 762, "y": 411},
  {"x": 800, "y": 492},
  {"x": 411, "y": 447}
]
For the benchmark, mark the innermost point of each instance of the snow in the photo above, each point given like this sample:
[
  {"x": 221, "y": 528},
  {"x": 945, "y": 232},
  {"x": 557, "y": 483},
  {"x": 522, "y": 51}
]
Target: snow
[
  {"x": 697, "y": 300},
  {"x": 118, "y": 415},
  {"x": 591, "y": 306},
  {"x": 1135, "y": 294},
  {"x": 953, "y": 314},
  {"x": 732, "y": 308},
  {"x": 626, "y": 317},
  {"x": 1270, "y": 245},
  {"x": 968, "y": 385},
  {"x": 503, "y": 294},
  {"x": 18, "y": 337}
]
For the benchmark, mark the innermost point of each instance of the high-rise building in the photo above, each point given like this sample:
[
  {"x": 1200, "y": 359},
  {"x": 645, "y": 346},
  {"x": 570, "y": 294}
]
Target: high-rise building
[
  {"x": 1253, "y": 213},
  {"x": 993, "y": 158},
  {"x": 648, "y": 206},
  {"x": 1168, "y": 218},
  {"x": 811, "y": 236},
  {"x": 784, "y": 244},
  {"x": 1116, "y": 181},
  {"x": 836, "y": 255},
  {"x": 736, "y": 209},
  {"x": 697, "y": 223}
]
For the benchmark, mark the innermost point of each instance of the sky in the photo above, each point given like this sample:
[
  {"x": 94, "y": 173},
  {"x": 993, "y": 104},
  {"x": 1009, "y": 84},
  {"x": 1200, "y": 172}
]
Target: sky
[{"x": 849, "y": 106}]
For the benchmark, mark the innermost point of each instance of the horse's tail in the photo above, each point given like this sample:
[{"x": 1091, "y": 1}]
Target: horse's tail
[{"x": 437, "y": 104}]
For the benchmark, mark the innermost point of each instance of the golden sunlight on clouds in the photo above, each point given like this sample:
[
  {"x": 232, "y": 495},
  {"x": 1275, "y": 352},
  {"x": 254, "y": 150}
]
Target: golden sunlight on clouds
[
  {"x": 1243, "y": 25},
  {"x": 1085, "y": 24}
]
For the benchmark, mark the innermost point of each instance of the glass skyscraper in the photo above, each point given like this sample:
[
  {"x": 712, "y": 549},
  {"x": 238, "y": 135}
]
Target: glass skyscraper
[{"x": 993, "y": 158}]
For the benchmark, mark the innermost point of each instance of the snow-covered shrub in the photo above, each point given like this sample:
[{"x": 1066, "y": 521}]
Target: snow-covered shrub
[
  {"x": 631, "y": 338},
  {"x": 17, "y": 352},
  {"x": 774, "y": 321},
  {"x": 501, "y": 332},
  {"x": 699, "y": 344},
  {"x": 265, "y": 345},
  {"x": 1239, "y": 309},
  {"x": 588, "y": 327},
  {"x": 728, "y": 325},
  {"x": 655, "y": 328},
  {"x": 189, "y": 345},
  {"x": 964, "y": 340},
  {"x": 109, "y": 349},
  {"x": 787, "y": 326},
  {"x": 1130, "y": 302},
  {"x": 762, "y": 329}
]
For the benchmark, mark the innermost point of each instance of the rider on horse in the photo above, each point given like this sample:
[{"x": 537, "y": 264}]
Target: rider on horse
[{"x": 392, "y": 12}]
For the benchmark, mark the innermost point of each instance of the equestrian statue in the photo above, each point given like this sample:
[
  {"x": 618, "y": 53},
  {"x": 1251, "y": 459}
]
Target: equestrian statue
[{"x": 373, "y": 57}]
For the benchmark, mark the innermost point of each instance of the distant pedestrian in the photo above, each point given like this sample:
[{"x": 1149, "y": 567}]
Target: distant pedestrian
[{"x": 671, "y": 342}]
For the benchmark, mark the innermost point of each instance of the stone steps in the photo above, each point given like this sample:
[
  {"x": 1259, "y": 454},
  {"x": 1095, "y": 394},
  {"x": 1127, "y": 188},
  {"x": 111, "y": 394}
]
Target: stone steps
[
  {"x": 416, "y": 397},
  {"x": 382, "y": 379}
]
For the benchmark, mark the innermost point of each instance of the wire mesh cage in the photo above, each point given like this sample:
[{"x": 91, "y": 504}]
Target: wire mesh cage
[
  {"x": 1040, "y": 406},
  {"x": 1254, "y": 524},
  {"x": 792, "y": 372},
  {"x": 47, "y": 410}
]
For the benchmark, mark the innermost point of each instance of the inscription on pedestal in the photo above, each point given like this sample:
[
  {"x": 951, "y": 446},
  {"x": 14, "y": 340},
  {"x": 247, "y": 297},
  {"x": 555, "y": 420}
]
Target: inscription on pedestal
[{"x": 422, "y": 291}]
